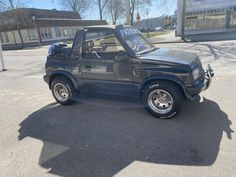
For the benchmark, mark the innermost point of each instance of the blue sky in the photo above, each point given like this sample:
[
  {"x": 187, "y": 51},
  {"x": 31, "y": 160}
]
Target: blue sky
[{"x": 154, "y": 11}]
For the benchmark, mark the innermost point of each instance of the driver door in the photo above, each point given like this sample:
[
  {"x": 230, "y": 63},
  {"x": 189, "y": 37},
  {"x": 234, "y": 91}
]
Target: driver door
[{"x": 105, "y": 65}]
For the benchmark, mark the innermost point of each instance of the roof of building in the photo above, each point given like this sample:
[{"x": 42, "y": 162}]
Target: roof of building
[
  {"x": 109, "y": 26},
  {"x": 44, "y": 18},
  {"x": 102, "y": 26},
  {"x": 196, "y": 6},
  {"x": 68, "y": 22}
]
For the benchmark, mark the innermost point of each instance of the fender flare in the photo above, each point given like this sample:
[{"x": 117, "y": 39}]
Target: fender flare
[
  {"x": 172, "y": 79},
  {"x": 66, "y": 74}
]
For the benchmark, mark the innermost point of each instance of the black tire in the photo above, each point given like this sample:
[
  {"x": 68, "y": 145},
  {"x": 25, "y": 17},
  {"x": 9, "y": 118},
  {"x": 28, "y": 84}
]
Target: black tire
[
  {"x": 71, "y": 91},
  {"x": 172, "y": 91}
]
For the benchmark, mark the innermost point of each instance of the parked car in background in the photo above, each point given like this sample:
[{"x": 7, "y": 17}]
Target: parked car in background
[{"x": 158, "y": 29}]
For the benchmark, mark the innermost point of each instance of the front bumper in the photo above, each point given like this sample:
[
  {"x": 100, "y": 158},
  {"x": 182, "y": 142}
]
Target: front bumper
[
  {"x": 201, "y": 86},
  {"x": 209, "y": 75},
  {"x": 46, "y": 78}
]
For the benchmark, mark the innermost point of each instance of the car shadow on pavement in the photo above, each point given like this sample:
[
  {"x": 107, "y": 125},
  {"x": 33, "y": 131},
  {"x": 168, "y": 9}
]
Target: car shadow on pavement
[{"x": 100, "y": 137}]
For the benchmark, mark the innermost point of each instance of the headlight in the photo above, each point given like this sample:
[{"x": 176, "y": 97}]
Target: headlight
[{"x": 196, "y": 73}]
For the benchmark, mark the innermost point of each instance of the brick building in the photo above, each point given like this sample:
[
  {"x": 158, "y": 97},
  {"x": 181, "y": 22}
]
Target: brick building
[{"x": 38, "y": 26}]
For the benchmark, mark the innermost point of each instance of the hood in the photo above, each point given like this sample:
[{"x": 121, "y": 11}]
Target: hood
[{"x": 171, "y": 57}]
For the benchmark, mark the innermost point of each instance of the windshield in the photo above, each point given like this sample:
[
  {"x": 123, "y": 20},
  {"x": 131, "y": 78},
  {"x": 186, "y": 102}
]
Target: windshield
[{"x": 136, "y": 41}]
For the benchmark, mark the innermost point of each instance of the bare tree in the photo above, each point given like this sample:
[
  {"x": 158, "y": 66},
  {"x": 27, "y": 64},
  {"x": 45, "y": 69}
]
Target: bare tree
[
  {"x": 115, "y": 9},
  {"x": 79, "y": 6},
  {"x": 135, "y": 5},
  {"x": 1, "y": 6},
  {"x": 165, "y": 4},
  {"x": 101, "y": 6},
  {"x": 13, "y": 5}
]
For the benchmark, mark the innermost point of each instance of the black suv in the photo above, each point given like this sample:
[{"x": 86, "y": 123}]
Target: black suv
[{"x": 120, "y": 60}]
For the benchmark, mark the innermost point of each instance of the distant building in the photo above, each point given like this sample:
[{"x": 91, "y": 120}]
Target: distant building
[
  {"x": 207, "y": 16},
  {"x": 40, "y": 26},
  {"x": 152, "y": 23}
]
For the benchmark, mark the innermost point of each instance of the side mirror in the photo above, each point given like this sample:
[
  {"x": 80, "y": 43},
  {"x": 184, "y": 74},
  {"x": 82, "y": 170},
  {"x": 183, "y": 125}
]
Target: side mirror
[
  {"x": 121, "y": 53},
  {"x": 121, "y": 56}
]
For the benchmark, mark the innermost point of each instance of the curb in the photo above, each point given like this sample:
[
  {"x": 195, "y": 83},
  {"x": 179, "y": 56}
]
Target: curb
[{"x": 171, "y": 42}]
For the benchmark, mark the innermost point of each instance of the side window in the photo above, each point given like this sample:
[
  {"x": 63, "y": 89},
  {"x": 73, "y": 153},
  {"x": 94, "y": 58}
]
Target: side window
[
  {"x": 6, "y": 37},
  {"x": 102, "y": 42}
]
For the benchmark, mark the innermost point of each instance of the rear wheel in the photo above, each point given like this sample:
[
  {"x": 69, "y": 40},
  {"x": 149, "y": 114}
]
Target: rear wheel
[
  {"x": 63, "y": 91},
  {"x": 163, "y": 99}
]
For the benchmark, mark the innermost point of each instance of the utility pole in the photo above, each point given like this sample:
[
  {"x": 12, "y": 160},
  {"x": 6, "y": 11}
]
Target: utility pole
[
  {"x": 127, "y": 10},
  {"x": 37, "y": 29},
  {"x": 1, "y": 58},
  {"x": 147, "y": 24},
  {"x": 183, "y": 20}
]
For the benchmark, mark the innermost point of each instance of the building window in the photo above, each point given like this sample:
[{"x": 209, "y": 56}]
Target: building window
[
  {"x": 194, "y": 22},
  {"x": 214, "y": 21},
  {"x": 206, "y": 20},
  {"x": 65, "y": 32},
  {"x": 33, "y": 34},
  {"x": 1, "y": 38},
  {"x": 46, "y": 33},
  {"x": 6, "y": 37},
  {"x": 77, "y": 29},
  {"x": 233, "y": 19},
  {"x": 72, "y": 31},
  {"x": 58, "y": 32}
]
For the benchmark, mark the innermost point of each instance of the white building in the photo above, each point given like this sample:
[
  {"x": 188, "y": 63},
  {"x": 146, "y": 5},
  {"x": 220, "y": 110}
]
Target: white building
[{"x": 207, "y": 16}]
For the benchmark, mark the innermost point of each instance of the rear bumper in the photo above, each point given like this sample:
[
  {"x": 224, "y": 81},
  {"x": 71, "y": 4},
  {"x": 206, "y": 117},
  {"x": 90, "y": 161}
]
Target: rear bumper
[{"x": 193, "y": 91}]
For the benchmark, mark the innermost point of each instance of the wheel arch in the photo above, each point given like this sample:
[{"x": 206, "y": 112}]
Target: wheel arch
[
  {"x": 66, "y": 75},
  {"x": 172, "y": 80}
]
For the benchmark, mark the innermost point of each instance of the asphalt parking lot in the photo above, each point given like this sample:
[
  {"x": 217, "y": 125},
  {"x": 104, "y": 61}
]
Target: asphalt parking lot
[{"x": 104, "y": 137}]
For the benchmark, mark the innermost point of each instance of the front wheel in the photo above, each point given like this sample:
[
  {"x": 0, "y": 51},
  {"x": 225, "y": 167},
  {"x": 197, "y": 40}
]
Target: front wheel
[{"x": 163, "y": 99}]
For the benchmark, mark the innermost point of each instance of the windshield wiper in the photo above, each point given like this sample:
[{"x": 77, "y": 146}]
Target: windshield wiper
[{"x": 147, "y": 51}]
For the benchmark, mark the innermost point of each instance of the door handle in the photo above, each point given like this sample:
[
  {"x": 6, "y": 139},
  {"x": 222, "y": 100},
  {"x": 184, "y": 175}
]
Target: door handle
[
  {"x": 88, "y": 66},
  {"x": 94, "y": 52}
]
